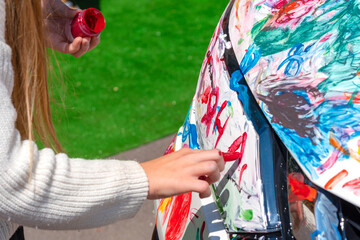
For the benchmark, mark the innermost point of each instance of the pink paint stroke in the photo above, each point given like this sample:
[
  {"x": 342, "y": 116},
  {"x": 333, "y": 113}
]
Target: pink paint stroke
[
  {"x": 353, "y": 185},
  {"x": 330, "y": 162}
]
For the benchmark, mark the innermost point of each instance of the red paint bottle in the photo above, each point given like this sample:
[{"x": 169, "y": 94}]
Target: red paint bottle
[{"x": 87, "y": 23}]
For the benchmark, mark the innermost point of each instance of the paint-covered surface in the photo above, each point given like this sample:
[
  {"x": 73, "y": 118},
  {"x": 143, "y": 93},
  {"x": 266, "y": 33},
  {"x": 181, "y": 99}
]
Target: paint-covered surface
[
  {"x": 222, "y": 123},
  {"x": 217, "y": 119},
  {"x": 314, "y": 212},
  {"x": 301, "y": 60},
  {"x": 288, "y": 66}
]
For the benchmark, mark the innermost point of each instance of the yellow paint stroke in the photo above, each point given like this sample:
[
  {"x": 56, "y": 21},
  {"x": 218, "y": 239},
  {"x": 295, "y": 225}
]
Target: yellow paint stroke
[
  {"x": 163, "y": 206},
  {"x": 355, "y": 155}
]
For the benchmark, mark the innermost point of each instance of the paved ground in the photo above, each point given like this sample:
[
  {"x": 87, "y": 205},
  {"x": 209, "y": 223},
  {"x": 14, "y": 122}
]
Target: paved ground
[{"x": 139, "y": 228}]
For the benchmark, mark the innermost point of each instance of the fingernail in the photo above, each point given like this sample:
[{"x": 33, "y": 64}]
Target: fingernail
[
  {"x": 202, "y": 177},
  {"x": 220, "y": 153}
]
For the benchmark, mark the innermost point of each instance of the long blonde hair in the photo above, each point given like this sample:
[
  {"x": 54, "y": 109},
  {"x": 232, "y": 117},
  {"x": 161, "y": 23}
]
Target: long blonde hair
[{"x": 25, "y": 35}]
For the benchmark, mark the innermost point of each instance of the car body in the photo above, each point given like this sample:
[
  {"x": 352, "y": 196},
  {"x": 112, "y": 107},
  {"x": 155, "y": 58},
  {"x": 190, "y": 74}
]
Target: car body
[{"x": 278, "y": 95}]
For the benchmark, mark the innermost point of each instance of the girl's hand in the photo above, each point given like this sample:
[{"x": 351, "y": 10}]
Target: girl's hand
[
  {"x": 186, "y": 170},
  {"x": 57, "y": 20}
]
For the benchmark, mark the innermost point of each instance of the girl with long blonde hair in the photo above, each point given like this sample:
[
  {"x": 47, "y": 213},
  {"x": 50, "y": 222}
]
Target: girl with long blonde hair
[{"x": 49, "y": 190}]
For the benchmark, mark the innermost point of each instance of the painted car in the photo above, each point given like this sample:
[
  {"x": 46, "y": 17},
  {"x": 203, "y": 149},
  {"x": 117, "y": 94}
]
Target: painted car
[{"x": 278, "y": 94}]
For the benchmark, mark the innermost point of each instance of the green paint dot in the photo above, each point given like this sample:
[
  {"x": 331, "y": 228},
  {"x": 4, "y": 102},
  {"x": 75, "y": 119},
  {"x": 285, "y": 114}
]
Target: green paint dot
[
  {"x": 240, "y": 41},
  {"x": 234, "y": 228},
  {"x": 247, "y": 214}
]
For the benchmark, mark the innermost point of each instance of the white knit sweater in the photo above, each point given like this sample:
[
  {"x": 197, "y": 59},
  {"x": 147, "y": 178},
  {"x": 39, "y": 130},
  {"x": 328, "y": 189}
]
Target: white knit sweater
[{"x": 63, "y": 193}]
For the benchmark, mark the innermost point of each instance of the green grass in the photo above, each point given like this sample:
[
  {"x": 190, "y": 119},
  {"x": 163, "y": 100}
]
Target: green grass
[{"x": 137, "y": 85}]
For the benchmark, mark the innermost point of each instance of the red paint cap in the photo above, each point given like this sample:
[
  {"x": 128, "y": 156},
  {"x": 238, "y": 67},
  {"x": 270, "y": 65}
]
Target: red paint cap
[{"x": 87, "y": 23}]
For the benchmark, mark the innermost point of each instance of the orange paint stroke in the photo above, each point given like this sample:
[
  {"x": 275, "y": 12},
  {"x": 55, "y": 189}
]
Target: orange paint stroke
[
  {"x": 237, "y": 10},
  {"x": 355, "y": 98},
  {"x": 336, "y": 179},
  {"x": 238, "y": 27},
  {"x": 336, "y": 144}
]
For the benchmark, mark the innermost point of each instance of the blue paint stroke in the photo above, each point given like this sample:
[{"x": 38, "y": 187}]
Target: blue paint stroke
[
  {"x": 250, "y": 59},
  {"x": 263, "y": 128},
  {"x": 190, "y": 131},
  {"x": 294, "y": 62},
  {"x": 237, "y": 86},
  {"x": 326, "y": 218}
]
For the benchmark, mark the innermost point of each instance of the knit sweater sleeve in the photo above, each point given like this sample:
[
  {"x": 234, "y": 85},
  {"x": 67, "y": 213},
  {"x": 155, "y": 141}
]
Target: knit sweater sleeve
[{"x": 63, "y": 193}]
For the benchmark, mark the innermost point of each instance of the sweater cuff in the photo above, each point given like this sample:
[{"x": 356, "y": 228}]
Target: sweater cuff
[{"x": 138, "y": 186}]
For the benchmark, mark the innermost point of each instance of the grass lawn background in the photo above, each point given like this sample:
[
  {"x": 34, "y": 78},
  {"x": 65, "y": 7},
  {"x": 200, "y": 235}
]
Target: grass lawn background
[{"x": 137, "y": 85}]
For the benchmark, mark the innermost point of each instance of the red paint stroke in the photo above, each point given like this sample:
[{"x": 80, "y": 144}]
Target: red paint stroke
[
  {"x": 164, "y": 207},
  {"x": 171, "y": 147},
  {"x": 205, "y": 95},
  {"x": 326, "y": 37},
  {"x": 293, "y": 12},
  {"x": 336, "y": 179},
  {"x": 260, "y": 3},
  {"x": 209, "y": 58},
  {"x": 243, "y": 168},
  {"x": 211, "y": 110},
  {"x": 193, "y": 214},
  {"x": 300, "y": 190},
  {"x": 217, "y": 124},
  {"x": 330, "y": 162},
  {"x": 202, "y": 231},
  {"x": 231, "y": 155},
  {"x": 353, "y": 185},
  {"x": 166, "y": 213},
  {"x": 280, "y": 4},
  {"x": 178, "y": 216}
]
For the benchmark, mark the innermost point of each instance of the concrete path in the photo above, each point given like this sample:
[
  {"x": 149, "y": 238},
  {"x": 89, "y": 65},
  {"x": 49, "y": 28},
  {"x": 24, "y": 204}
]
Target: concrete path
[{"x": 140, "y": 227}]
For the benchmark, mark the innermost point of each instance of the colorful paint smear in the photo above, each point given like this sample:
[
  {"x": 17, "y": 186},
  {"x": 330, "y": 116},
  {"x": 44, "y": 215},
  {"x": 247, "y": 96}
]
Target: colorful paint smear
[
  {"x": 336, "y": 179},
  {"x": 164, "y": 207},
  {"x": 300, "y": 190},
  {"x": 353, "y": 185},
  {"x": 232, "y": 153},
  {"x": 178, "y": 217},
  {"x": 301, "y": 61},
  {"x": 327, "y": 222}
]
